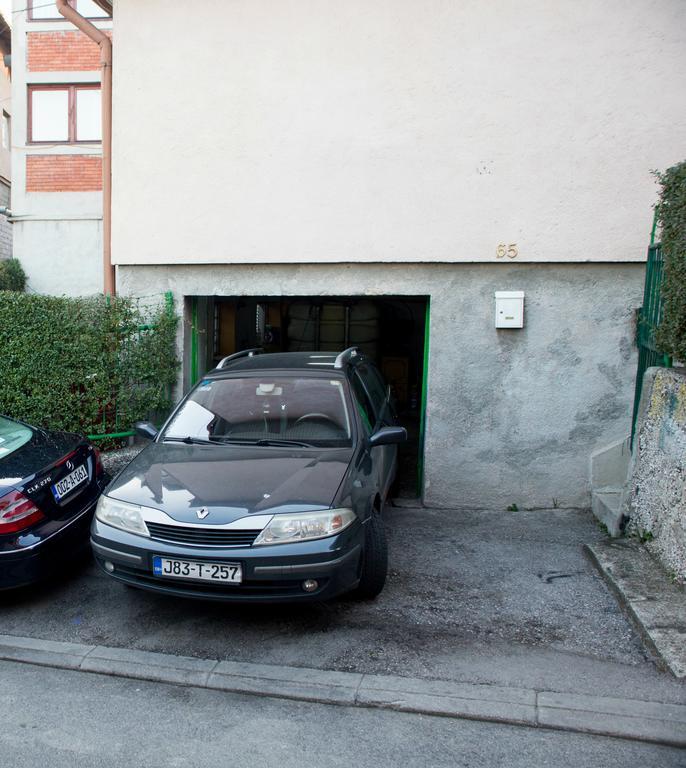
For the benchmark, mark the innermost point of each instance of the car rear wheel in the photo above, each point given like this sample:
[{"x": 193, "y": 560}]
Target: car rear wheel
[{"x": 374, "y": 560}]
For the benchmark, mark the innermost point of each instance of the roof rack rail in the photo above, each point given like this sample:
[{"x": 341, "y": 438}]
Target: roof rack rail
[
  {"x": 346, "y": 356},
  {"x": 236, "y": 355}
]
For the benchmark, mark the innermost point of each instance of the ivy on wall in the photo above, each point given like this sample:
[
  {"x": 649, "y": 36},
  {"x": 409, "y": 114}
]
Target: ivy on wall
[
  {"x": 87, "y": 365},
  {"x": 671, "y": 212}
]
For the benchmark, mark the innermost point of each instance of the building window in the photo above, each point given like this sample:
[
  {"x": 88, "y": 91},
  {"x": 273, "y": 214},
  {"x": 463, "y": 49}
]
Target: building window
[
  {"x": 44, "y": 9},
  {"x": 64, "y": 114}
]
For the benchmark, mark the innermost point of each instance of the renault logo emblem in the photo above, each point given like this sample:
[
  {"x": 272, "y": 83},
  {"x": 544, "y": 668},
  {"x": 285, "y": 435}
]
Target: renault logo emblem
[
  {"x": 202, "y": 513},
  {"x": 70, "y": 466}
]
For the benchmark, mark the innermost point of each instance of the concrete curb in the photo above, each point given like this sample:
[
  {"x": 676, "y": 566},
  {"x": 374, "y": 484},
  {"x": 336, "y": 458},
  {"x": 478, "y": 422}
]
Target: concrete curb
[
  {"x": 622, "y": 718},
  {"x": 655, "y": 605}
]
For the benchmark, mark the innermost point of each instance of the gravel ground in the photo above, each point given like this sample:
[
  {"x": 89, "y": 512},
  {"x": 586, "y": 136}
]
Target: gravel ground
[
  {"x": 502, "y": 597},
  {"x": 115, "y": 461}
]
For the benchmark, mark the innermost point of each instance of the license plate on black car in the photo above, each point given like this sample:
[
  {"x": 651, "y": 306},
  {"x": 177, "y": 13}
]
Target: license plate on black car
[
  {"x": 67, "y": 484},
  {"x": 228, "y": 573}
]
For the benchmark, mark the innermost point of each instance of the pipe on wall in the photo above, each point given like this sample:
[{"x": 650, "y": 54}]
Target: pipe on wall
[{"x": 105, "y": 44}]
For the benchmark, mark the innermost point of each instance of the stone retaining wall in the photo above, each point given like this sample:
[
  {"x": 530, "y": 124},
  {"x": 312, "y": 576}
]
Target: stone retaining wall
[{"x": 656, "y": 498}]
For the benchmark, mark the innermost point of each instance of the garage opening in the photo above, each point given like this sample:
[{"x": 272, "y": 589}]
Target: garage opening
[{"x": 392, "y": 330}]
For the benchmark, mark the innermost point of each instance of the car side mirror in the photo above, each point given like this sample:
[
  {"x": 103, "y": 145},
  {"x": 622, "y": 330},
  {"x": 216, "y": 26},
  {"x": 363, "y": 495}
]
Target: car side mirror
[
  {"x": 145, "y": 429},
  {"x": 388, "y": 436}
]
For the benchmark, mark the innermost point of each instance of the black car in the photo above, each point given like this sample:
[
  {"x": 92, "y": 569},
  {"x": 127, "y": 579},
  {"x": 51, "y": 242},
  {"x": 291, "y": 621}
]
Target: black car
[
  {"x": 265, "y": 484},
  {"x": 49, "y": 485}
]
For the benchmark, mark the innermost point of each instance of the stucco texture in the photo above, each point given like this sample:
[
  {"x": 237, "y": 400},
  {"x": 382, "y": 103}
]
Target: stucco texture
[
  {"x": 392, "y": 130},
  {"x": 512, "y": 415},
  {"x": 60, "y": 256},
  {"x": 657, "y": 495}
]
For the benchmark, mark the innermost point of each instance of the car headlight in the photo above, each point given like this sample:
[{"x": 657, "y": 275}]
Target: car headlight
[
  {"x": 119, "y": 514},
  {"x": 286, "y": 529}
]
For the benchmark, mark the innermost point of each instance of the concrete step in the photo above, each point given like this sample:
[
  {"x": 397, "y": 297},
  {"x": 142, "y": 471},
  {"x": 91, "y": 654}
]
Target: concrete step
[
  {"x": 605, "y": 503},
  {"x": 610, "y": 463}
]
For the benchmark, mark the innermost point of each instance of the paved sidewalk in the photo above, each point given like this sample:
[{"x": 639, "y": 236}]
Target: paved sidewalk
[{"x": 623, "y": 718}]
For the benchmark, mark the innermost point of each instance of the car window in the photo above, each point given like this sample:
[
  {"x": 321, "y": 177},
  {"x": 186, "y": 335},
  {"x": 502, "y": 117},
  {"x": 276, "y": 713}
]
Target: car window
[
  {"x": 12, "y": 436},
  {"x": 374, "y": 384},
  {"x": 363, "y": 403},
  {"x": 311, "y": 410}
]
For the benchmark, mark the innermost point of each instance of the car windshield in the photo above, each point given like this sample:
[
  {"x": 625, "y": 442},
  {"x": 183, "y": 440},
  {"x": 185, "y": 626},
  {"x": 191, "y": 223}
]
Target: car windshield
[
  {"x": 12, "y": 436},
  {"x": 265, "y": 410}
]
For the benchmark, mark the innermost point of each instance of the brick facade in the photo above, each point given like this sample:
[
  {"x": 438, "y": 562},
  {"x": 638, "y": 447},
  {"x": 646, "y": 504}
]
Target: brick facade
[
  {"x": 61, "y": 51},
  {"x": 63, "y": 173}
]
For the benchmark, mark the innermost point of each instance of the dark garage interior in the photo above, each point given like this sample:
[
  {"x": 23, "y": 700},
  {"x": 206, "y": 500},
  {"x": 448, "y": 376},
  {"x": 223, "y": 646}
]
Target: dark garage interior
[{"x": 390, "y": 329}]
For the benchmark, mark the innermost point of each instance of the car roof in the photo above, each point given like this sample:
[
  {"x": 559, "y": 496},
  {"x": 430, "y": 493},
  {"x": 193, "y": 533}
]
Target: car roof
[{"x": 296, "y": 361}]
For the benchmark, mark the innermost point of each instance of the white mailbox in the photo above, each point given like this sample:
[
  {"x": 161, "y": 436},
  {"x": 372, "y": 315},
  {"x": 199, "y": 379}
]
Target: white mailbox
[{"x": 509, "y": 309}]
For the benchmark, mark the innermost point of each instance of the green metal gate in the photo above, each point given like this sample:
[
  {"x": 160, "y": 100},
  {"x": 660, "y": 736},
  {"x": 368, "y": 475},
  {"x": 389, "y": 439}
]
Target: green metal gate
[{"x": 649, "y": 318}]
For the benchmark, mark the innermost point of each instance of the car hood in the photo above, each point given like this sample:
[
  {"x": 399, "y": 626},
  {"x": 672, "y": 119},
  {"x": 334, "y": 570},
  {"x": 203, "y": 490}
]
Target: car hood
[{"x": 230, "y": 481}]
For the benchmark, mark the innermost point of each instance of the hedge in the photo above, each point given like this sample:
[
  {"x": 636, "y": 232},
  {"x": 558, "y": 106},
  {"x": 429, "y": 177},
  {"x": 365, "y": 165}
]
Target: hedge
[
  {"x": 671, "y": 213},
  {"x": 87, "y": 365}
]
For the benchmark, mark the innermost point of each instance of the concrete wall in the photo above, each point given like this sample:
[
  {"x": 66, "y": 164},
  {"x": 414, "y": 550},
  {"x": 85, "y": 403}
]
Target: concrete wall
[
  {"x": 657, "y": 480},
  {"x": 512, "y": 415},
  {"x": 60, "y": 256},
  {"x": 392, "y": 130}
]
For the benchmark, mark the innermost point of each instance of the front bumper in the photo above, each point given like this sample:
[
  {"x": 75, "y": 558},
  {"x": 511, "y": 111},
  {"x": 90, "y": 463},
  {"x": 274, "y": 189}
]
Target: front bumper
[{"x": 270, "y": 574}]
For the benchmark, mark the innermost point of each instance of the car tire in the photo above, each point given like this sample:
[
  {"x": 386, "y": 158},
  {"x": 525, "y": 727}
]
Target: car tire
[{"x": 374, "y": 560}]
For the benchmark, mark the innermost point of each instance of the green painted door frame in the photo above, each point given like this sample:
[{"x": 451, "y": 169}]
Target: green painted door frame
[
  {"x": 422, "y": 416},
  {"x": 194, "y": 369}
]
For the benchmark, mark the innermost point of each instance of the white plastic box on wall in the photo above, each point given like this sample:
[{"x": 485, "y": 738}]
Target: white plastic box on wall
[{"x": 509, "y": 309}]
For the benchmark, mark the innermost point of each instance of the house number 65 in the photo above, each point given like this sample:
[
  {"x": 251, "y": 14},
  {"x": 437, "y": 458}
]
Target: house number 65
[{"x": 504, "y": 249}]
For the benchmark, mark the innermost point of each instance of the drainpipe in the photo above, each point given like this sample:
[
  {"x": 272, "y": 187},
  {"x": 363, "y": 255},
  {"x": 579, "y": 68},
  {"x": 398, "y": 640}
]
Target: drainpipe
[{"x": 105, "y": 44}]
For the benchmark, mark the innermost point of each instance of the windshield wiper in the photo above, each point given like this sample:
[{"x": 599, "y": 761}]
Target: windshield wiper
[
  {"x": 189, "y": 440},
  {"x": 281, "y": 441},
  {"x": 236, "y": 440},
  {"x": 219, "y": 439}
]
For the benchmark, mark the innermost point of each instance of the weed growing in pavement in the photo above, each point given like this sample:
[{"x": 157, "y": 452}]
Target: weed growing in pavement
[{"x": 513, "y": 508}]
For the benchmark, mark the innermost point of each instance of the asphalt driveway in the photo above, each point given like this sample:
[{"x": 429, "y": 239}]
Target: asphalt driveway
[{"x": 502, "y": 597}]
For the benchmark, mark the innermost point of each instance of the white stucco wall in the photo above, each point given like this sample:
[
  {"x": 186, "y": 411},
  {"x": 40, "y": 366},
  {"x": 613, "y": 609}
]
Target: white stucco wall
[
  {"x": 392, "y": 130},
  {"x": 60, "y": 257}
]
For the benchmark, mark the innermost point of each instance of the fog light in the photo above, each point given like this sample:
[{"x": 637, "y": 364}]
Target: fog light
[
  {"x": 309, "y": 585},
  {"x": 109, "y": 567}
]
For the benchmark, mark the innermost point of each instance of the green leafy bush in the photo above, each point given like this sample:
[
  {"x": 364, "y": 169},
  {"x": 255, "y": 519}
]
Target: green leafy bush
[
  {"x": 671, "y": 212},
  {"x": 84, "y": 364},
  {"x": 12, "y": 276}
]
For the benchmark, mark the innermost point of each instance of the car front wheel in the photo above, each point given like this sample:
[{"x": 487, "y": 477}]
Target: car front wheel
[{"x": 374, "y": 560}]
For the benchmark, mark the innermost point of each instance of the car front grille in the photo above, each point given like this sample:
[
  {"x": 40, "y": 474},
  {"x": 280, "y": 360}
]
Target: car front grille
[{"x": 202, "y": 537}]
